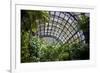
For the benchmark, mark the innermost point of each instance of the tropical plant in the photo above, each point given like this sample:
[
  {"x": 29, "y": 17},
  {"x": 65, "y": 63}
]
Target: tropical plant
[
  {"x": 29, "y": 25},
  {"x": 29, "y": 19},
  {"x": 84, "y": 22},
  {"x": 84, "y": 26},
  {"x": 79, "y": 51},
  {"x": 25, "y": 47},
  {"x": 41, "y": 51}
]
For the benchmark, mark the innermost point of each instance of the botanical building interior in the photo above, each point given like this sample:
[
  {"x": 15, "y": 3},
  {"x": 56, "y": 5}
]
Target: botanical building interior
[{"x": 54, "y": 36}]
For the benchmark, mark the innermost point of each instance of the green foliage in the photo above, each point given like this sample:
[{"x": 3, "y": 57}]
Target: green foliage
[
  {"x": 84, "y": 22},
  {"x": 35, "y": 49},
  {"x": 29, "y": 24},
  {"x": 53, "y": 52},
  {"x": 30, "y": 17},
  {"x": 48, "y": 52},
  {"x": 24, "y": 47},
  {"x": 79, "y": 51},
  {"x": 41, "y": 51}
]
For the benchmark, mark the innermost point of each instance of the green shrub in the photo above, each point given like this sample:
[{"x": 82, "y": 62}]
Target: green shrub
[
  {"x": 25, "y": 47},
  {"x": 79, "y": 51},
  {"x": 41, "y": 51}
]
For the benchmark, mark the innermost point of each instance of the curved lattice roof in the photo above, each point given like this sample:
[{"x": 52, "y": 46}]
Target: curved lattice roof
[{"x": 61, "y": 27}]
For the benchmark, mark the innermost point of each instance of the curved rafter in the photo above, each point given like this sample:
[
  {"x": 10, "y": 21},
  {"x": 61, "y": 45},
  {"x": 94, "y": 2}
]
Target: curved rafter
[{"x": 61, "y": 26}]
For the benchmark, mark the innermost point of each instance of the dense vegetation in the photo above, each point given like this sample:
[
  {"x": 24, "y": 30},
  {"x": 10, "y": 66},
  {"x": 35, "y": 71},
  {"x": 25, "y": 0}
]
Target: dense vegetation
[
  {"x": 41, "y": 51},
  {"x": 35, "y": 49},
  {"x": 28, "y": 29}
]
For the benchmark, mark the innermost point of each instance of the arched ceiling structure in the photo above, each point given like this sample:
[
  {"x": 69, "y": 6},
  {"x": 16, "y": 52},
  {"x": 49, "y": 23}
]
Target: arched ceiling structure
[{"x": 61, "y": 27}]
